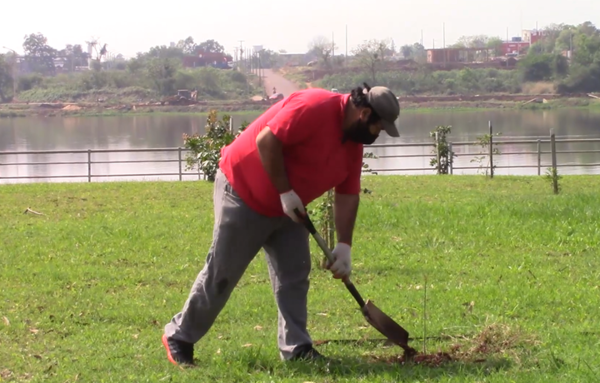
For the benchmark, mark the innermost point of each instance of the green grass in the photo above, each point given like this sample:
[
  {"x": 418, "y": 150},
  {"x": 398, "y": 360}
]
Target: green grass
[{"x": 88, "y": 287}]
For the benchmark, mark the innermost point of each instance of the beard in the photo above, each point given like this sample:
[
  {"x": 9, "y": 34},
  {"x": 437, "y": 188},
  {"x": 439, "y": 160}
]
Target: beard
[{"x": 359, "y": 132}]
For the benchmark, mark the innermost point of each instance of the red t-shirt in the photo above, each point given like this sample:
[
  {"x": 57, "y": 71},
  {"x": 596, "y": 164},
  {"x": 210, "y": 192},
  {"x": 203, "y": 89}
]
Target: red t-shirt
[{"x": 309, "y": 125}]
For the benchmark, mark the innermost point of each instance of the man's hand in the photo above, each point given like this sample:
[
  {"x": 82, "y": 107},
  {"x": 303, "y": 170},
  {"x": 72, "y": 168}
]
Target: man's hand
[
  {"x": 342, "y": 266},
  {"x": 289, "y": 202}
]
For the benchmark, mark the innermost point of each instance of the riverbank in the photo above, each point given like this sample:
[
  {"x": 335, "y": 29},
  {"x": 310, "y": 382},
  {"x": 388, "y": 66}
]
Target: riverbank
[
  {"x": 510, "y": 272},
  {"x": 424, "y": 104}
]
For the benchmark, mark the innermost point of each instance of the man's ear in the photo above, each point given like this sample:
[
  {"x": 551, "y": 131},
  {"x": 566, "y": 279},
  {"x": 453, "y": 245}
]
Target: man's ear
[{"x": 365, "y": 113}]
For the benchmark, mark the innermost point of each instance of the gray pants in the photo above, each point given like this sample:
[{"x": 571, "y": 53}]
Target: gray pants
[{"x": 239, "y": 234}]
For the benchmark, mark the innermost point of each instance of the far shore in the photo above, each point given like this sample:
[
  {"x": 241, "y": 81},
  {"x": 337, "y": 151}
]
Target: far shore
[{"x": 414, "y": 104}]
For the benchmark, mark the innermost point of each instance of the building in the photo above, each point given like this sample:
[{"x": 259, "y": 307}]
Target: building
[
  {"x": 515, "y": 47},
  {"x": 458, "y": 55},
  {"x": 532, "y": 36}
]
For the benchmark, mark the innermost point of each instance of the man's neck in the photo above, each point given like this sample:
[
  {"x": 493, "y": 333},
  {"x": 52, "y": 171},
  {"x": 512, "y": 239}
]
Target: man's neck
[{"x": 349, "y": 111}]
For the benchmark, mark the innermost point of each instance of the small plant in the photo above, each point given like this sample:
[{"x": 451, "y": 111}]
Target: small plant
[
  {"x": 205, "y": 150},
  {"x": 484, "y": 142},
  {"x": 553, "y": 177},
  {"x": 443, "y": 157}
]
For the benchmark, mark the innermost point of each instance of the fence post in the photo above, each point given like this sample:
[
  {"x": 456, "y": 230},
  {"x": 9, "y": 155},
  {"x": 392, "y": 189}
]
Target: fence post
[
  {"x": 554, "y": 170},
  {"x": 451, "y": 158},
  {"x": 179, "y": 162},
  {"x": 539, "y": 158},
  {"x": 89, "y": 165},
  {"x": 491, "y": 150},
  {"x": 437, "y": 150}
]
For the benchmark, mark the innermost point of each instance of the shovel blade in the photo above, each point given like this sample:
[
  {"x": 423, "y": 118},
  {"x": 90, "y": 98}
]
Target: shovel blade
[{"x": 385, "y": 325}]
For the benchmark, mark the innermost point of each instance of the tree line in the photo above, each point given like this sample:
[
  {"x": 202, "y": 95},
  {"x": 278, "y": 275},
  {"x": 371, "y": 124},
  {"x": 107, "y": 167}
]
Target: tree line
[
  {"x": 566, "y": 56},
  {"x": 45, "y": 73}
]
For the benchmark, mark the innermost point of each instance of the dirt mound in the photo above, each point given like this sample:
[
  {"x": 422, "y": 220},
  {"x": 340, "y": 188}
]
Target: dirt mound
[{"x": 71, "y": 107}]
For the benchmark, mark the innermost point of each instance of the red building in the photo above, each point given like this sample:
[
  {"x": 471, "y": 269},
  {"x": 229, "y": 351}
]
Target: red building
[
  {"x": 515, "y": 47},
  {"x": 534, "y": 35}
]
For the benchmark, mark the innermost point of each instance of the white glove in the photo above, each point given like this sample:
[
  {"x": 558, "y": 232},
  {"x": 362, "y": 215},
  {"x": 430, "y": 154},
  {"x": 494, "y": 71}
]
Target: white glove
[
  {"x": 289, "y": 202},
  {"x": 342, "y": 266}
]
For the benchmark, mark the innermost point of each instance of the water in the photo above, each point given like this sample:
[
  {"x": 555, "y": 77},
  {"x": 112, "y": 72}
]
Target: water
[{"x": 162, "y": 131}]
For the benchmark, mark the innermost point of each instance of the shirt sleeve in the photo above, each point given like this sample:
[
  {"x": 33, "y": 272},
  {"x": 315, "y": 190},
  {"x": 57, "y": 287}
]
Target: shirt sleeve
[
  {"x": 351, "y": 185},
  {"x": 295, "y": 122}
]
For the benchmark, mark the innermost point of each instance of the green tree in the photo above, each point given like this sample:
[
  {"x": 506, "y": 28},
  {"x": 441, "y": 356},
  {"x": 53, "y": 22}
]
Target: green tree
[
  {"x": 477, "y": 41},
  {"x": 187, "y": 46},
  {"x": 495, "y": 44},
  {"x": 370, "y": 55},
  {"x": 322, "y": 48},
  {"x": 268, "y": 58},
  {"x": 6, "y": 79},
  {"x": 419, "y": 53},
  {"x": 560, "y": 66},
  {"x": 581, "y": 79},
  {"x": 536, "y": 67},
  {"x": 210, "y": 46},
  {"x": 407, "y": 51},
  {"x": 587, "y": 49},
  {"x": 162, "y": 72},
  {"x": 39, "y": 54}
]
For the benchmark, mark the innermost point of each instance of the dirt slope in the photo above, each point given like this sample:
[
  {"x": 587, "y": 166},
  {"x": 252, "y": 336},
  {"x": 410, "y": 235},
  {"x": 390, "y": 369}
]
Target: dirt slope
[{"x": 281, "y": 84}]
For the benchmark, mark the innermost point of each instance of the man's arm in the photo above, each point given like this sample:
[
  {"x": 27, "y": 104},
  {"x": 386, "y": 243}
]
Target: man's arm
[
  {"x": 345, "y": 209},
  {"x": 271, "y": 155},
  {"x": 347, "y": 197}
]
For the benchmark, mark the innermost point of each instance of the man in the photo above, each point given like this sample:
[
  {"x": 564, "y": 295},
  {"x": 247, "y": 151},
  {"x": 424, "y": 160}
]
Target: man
[{"x": 297, "y": 150}]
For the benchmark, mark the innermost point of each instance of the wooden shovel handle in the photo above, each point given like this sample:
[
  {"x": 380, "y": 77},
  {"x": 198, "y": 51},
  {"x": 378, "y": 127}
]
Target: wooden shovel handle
[{"x": 323, "y": 245}]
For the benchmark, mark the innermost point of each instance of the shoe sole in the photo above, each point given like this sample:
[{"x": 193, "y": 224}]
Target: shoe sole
[{"x": 169, "y": 356}]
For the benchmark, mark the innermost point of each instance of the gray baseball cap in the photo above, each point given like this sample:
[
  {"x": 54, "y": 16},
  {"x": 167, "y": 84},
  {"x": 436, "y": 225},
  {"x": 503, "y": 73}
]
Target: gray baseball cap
[{"x": 386, "y": 104}]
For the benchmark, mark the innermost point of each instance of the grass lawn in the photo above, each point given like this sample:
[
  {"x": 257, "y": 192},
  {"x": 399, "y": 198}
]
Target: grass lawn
[{"x": 512, "y": 277}]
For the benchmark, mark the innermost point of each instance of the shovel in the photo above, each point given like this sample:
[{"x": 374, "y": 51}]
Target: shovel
[{"x": 374, "y": 316}]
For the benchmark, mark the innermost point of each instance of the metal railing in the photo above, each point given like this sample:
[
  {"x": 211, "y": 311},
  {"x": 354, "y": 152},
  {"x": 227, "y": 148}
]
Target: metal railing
[
  {"x": 91, "y": 164},
  {"x": 539, "y": 153}
]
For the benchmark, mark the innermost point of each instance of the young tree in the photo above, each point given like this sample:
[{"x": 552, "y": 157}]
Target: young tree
[
  {"x": 370, "y": 55},
  {"x": 323, "y": 48},
  {"x": 407, "y": 51}
]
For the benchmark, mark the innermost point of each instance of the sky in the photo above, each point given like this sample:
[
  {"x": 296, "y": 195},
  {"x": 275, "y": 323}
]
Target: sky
[{"x": 132, "y": 26}]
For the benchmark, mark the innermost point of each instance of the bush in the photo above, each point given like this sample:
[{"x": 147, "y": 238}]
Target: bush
[
  {"x": 206, "y": 149},
  {"x": 464, "y": 81},
  {"x": 211, "y": 83}
]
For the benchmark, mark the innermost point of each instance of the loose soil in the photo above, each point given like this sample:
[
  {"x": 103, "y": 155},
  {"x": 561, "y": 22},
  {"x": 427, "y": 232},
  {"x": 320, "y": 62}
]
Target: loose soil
[{"x": 494, "y": 341}]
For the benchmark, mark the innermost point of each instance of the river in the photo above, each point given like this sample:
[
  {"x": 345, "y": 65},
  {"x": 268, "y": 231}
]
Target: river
[{"x": 161, "y": 131}]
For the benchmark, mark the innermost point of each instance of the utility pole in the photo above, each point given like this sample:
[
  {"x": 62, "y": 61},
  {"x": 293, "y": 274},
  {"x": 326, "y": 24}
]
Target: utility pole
[
  {"x": 444, "y": 34},
  {"x": 346, "y": 56},
  {"x": 241, "y": 61},
  {"x": 332, "y": 49},
  {"x": 260, "y": 70},
  {"x": 444, "y": 43}
]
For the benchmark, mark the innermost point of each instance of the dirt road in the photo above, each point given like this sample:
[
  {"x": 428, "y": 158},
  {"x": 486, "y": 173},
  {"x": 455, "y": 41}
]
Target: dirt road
[{"x": 281, "y": 84}]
